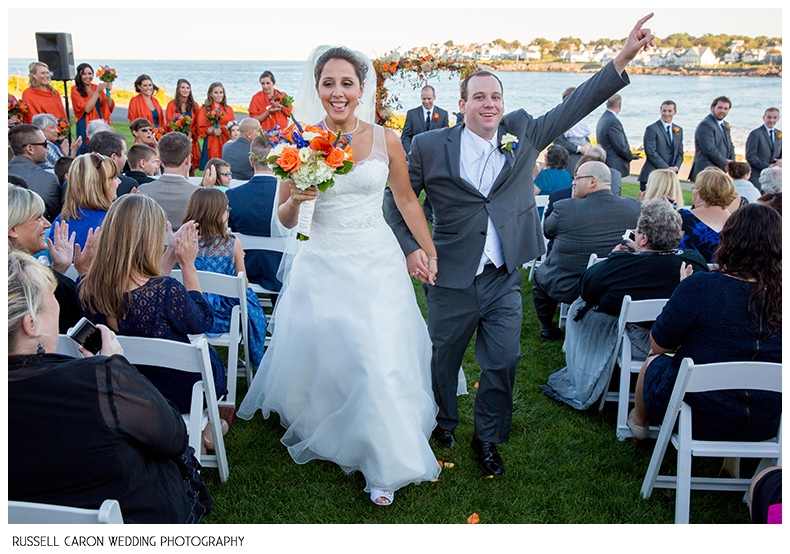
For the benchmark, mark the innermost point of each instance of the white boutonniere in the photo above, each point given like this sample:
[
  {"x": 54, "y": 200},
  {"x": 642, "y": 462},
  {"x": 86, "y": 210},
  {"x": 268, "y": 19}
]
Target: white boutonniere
[{"x": 508, "y": 142}]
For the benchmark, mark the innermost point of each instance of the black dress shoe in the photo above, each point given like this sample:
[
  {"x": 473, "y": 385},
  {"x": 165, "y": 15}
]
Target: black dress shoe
[
  {"x": 443, "y": 438},
  {"x": 487, "y": 457},
  {"x": 554, "y": 333}
]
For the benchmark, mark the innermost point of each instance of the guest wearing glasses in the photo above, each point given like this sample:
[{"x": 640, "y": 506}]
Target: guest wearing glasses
[
  {"x": 29, "y": 146},
  {"x": 217, "y": 175},
  {"x": 143, "y": 132}
]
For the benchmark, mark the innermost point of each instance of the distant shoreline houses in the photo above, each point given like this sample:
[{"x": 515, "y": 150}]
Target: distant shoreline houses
[{"x": 695, "y": 56}]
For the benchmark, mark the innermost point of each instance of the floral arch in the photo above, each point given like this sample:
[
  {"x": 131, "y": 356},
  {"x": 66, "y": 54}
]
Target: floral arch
[{"x": 415, "y": 71}]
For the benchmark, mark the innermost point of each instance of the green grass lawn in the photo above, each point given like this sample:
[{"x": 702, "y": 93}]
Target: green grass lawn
[{"x": 561, "y": 466}]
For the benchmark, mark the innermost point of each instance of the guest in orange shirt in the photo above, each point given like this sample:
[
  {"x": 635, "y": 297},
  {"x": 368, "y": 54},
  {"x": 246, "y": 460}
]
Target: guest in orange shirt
[
  {"x": 144, "y": 104},
  {"x": 184, "y": 104},
  {"x": 264, "y": 105},
  {"x": 215, "y": 133},
  {"x": 41, "y": 96},
  {"x": 90, "y": 101}
]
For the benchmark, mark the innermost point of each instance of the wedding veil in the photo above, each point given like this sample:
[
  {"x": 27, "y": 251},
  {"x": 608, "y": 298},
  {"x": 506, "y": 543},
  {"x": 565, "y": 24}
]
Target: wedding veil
[{"x": 307, "y": 106}]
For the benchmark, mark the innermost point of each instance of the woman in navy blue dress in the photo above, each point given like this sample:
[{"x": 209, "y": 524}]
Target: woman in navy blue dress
[{"x": 731, "y": 314}]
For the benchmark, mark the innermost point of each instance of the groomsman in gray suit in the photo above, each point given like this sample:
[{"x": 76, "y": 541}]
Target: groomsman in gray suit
[
  {"x": 663, "y": 142},
  {"x": 712, "y": 140},
  {"x": 424, "y": 118},
  {"x": 610, "y": 134},
  {"x": 478, "y": 177},
  {"x": 764, "y": 145}
]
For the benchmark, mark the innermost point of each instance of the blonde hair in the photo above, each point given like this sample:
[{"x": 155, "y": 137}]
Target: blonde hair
[
  {"x": 90, "y": 185},
  {"x": 131, "y": 242},
  {"x": 715, "y": 187},
  {"x": 664, "y": 182},
  {"x": 28, "y": 283},
  {"x": 31, "y": 69},
  {"x": 23, "y": 205}
]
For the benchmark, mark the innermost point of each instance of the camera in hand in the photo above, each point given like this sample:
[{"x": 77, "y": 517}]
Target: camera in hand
[{"x": 86, "y": 335}]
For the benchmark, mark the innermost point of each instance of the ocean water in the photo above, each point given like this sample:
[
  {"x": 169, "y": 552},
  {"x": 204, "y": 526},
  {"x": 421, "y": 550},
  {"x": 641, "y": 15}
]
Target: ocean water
[{"x": 535, "y": 92}]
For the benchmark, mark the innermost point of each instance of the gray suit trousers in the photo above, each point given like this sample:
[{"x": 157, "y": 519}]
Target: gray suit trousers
[{"x": 492, "y": 307}]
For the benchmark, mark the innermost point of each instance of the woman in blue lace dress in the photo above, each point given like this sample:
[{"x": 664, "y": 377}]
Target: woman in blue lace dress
[
  {"x": 713, "y": 196},
  {"x": 221, "y": 252},
  {"x": 125, "y": 289}
]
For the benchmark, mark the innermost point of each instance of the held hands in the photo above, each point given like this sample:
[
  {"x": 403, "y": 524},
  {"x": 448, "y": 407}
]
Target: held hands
[{"x": 422, "y": 267}]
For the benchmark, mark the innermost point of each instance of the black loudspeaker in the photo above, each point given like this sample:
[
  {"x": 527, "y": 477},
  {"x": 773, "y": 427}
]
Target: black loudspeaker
[{"x": 55, "y": 50}]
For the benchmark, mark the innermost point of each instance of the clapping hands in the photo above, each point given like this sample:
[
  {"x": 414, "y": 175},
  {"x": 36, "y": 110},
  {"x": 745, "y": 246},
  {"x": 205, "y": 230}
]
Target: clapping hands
[
  {"x": 61, "y": 249},
  {"x": 186, "y": 242}
]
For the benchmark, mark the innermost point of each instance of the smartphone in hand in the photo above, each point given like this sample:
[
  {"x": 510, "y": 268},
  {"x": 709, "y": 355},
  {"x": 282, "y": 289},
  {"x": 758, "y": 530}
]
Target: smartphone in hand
[{"x": 86, "y": 335}]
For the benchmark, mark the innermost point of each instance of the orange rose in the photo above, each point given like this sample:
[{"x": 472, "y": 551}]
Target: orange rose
[
  {"x": 289, "y": 160},
  {"x": 321, "y": 144},
  {"x": 335, "y": 158},
  {"x": 349, "y": 153}
]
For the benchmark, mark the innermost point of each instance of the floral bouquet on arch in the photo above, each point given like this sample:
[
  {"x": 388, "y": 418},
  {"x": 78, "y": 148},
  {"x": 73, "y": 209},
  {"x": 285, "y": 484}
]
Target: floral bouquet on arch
[
  {"x": 310, "y": 156},
  {"x": 106, "y": 74},
  {"x": 181, "y": 123}
]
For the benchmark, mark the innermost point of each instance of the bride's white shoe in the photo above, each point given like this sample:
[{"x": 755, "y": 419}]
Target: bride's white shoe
[{"x": 382, "y": 498}]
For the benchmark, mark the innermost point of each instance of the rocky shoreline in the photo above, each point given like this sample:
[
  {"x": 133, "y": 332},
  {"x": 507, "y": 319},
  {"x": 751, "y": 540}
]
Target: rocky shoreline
[{"x": 559, "y": 67}]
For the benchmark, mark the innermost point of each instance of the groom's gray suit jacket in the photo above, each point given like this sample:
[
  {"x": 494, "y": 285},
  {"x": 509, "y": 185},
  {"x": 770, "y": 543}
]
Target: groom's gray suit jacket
[{"x": 461, "y": 212}]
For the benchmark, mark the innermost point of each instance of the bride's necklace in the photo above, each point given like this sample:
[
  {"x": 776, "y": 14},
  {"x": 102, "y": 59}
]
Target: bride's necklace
[{"x": 351, "y": 132}]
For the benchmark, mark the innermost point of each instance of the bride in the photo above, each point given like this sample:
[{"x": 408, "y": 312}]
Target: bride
[{"x": 348, "y": 369}]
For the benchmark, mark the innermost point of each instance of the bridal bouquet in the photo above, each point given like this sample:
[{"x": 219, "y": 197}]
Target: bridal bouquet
[
  {"x": 181, "y": 123},
  {"x": 17, "y": 107},
  {"x": 106, "y": 74},
  {"x": 310, "y": 156}
]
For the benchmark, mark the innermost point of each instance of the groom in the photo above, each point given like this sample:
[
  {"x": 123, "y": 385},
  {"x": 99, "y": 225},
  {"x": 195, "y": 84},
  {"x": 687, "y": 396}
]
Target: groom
[{"x": 478, "y": 177}]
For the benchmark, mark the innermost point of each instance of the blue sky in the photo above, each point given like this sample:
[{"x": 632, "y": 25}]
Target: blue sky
[{"x": 111, "y": 34}]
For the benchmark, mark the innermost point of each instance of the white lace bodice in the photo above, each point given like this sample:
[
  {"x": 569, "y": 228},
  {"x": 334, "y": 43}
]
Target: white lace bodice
[{"x": 347, "y": 214}]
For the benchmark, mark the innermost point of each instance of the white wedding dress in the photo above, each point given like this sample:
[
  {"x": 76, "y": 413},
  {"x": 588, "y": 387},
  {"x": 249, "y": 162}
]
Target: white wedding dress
[{"x": 348, "y": 368}]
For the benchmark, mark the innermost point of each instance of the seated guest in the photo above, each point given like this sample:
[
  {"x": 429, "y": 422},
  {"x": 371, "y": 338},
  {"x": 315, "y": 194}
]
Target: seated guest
[
  {"x": 771, "y": 179},
  {"x": 712, "y": 195},
  {"x": 172, "y": 190},
  {"x": 129, "y": 293},
  {"x": 731, "y": 314},
  {"x": 112, "y": 145},
  {"x": 29, "y": 146},
  {"x": 554, "y": 175},
  {"x": 27, "y": 232},
  {"x": 81, "y": 430},
  {"x": 143, "y": 164},
  {"x": 61, "y": 169},
  {"x": 233, "y": 130},
  {"x": 253, "y": 212},
  {"x": 237, "y": 153},
  {"x": 216, "y": 175},
  {"x": 90, "y": 193},
  {"x": 648, "y": 267},
  {"x": 143, "y": 132},
  {"x": 592, "y": 221},
  {"x": 663, "y": 183},
  {"x": 48, "y": 124},
  {"x": 741, "y": 173},
  {"x": 98, "y": 126},
  {"x": 221, "y": 252},
  {"x": 773, "y": 200},
  {"x": 765, "y": 496}
]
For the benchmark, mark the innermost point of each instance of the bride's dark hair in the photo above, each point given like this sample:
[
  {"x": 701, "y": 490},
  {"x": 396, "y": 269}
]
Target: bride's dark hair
[{"x": 341, "y": 53}]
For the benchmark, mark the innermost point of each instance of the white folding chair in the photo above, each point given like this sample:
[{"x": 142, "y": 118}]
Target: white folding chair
[
  {"x": 631, "y": 311},
  {"x": 272, "y": 244},
  {"x": 541, "y": 200},
  {"x": 192, "y": 358},
  {"x": 34, "y": 513},
  {"x": 594, "y": 259},
  {"x": 238, "y": 335},
  {"x": 704, "y": 378}
]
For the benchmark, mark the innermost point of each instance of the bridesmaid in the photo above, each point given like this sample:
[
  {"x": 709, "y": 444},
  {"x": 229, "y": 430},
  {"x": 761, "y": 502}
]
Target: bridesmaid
[
  {"x": 41, "y": 96},
  {"x": 214, "y": 133},
  {"x": 184, "y": 104},
  {"x": 90, "y": 102},
  {"x": 264, "y": 105},
  {"x": 145, "y": 104}
]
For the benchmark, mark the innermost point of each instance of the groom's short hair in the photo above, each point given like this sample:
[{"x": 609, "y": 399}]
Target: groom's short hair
[{"x": 480, "y": 73}]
